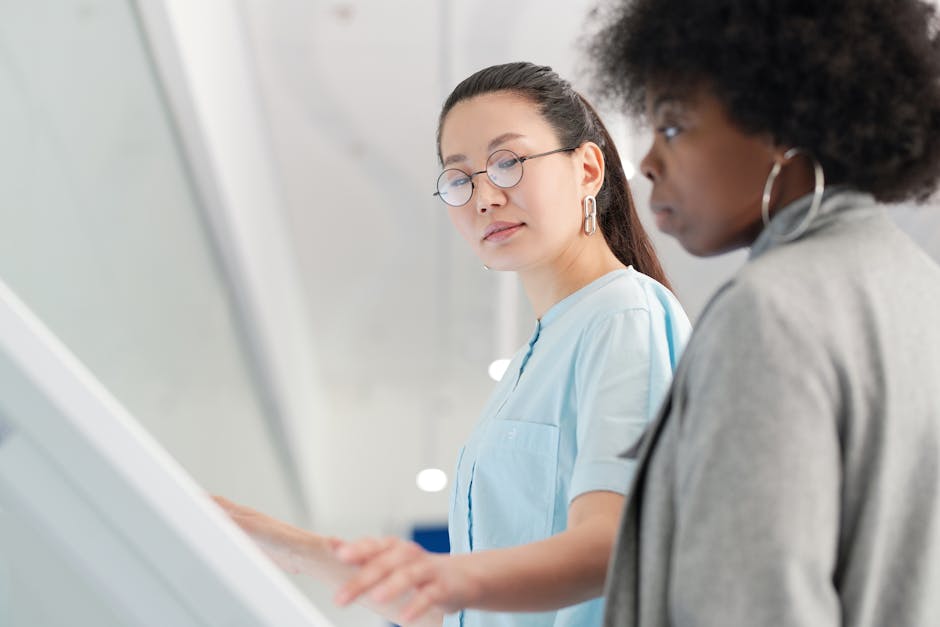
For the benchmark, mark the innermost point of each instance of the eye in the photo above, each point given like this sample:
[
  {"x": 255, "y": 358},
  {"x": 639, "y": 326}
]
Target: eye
[
  {"x": 455, "y": 179},
  {"x": 508, "y": 162},
  {"x": 669, "y": 131}
]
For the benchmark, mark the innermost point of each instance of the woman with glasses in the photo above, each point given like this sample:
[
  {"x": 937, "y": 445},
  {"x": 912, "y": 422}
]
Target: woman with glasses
[
  {"x": 793, "y": 477},
  {"x": 534, "y": 184}
]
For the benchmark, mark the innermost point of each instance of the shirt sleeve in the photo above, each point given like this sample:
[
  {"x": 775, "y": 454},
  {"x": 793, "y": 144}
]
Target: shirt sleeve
[
  {"x": 757, "y": 472},
  {"x": 615, "y": 375}
]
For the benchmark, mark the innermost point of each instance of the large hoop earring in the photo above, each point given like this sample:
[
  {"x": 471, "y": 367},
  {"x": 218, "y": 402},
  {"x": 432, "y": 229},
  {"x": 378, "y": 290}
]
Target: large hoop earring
[
  {"x": 590, "y": 215},
  {"x": 817, "y": 194}
]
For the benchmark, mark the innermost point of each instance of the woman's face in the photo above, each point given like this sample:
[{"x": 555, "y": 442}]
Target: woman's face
[
  {"x": 537, "y": 220},
  {"x": 708, "y": 176}
]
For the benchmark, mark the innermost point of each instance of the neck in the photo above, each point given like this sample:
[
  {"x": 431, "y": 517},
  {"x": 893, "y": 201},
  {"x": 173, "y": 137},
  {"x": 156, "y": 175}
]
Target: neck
[
  {"x": 549, "y": 283},
  {"x": 794, "y": 183}
]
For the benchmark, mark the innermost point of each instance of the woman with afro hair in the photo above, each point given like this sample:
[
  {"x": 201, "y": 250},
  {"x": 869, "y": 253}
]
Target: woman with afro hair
[{"x": 792, "y": 477}]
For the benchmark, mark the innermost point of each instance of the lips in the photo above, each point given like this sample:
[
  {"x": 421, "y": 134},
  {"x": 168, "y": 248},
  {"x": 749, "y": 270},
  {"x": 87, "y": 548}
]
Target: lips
[
  {"x": 660, "y": 207},
  {"x": 500, "y": 230},
  {"x": 664, "y": 215}
]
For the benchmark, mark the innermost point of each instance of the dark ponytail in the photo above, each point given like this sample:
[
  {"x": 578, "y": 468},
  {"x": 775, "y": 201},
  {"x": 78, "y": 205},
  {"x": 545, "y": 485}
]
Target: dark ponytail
[
  {"x": 618, "y": 218},
  {"x": 575, "y": 121}
]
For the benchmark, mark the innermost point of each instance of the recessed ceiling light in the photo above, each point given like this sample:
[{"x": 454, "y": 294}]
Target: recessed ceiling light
[
  {"x": 498, "y": 368},
  {"x": 431, "y": 480}
]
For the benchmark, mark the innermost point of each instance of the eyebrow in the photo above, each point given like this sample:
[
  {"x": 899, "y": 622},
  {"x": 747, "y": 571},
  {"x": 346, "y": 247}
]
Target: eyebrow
[
  {"x": 497, "y": 141},
  {"x": 666, "y": 99}
]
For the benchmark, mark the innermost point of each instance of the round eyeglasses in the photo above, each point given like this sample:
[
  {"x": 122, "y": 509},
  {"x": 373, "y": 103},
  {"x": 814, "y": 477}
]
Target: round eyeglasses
[{"x": 503, "y": 168}]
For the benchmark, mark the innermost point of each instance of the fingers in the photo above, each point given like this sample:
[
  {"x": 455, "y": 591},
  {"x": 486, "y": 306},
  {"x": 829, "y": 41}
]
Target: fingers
[
  {"x": 385, "y": 558},
  {"x": 223, "y": 502},
  {"x": 362, "y": 551},
  {"x": 402, "y": 580},
  {"x": 419, "y": 606},
  {"x": 239, "y": 514},
  {"x": 377, "y": 561},
  {"x": 244, "y": 517},
  {"x": 234, "y": 510}
]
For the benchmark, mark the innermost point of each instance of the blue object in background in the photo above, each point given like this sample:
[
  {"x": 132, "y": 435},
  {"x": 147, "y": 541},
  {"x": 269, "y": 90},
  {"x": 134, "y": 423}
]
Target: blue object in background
[{"x": 432, "y": 537}]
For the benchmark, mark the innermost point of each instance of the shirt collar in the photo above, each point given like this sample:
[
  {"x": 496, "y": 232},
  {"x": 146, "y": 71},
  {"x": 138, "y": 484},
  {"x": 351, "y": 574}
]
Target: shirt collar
[
  {"x": 838, "y": 203},
  {"x": 561, "y": 307}
]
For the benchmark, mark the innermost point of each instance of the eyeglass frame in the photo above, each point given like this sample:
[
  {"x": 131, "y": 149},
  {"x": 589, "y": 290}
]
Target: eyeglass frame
[{"x": 470, "y": 175}]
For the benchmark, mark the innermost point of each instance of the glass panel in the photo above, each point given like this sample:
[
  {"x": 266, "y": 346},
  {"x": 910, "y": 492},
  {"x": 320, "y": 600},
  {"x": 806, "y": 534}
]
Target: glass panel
[{"x": 102, "y": 236}]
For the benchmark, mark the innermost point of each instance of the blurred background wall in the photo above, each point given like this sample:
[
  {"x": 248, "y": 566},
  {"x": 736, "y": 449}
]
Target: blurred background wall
[{"x": 224, "y": 209}]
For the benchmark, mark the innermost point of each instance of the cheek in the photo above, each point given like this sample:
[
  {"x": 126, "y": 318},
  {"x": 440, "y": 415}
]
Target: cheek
[
  {"x": 721, "y": 204},
  {"x": 717, "y": 190},
  {"x": 553, "y": 210}
]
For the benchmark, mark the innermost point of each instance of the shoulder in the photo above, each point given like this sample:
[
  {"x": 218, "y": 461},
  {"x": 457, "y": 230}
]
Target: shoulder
[
  {"x": 633, "y": 318},
  {"x": 628, "y": 294},
  {"x": 752, "y": 358},
  {"x": 748, "y": 307},
  {"x": 852, "y": 248},
  {"x": 636, "y": 317},
  {"x": 856, "y": 261},
  {"x": 756, "y": 327}
]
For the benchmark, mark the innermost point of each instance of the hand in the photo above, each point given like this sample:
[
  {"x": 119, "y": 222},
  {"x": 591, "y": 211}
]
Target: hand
[
  {"x": 392, "y": 568},
  {"x": 299, "y": 551},
  {"x": 285, "y": 544}
]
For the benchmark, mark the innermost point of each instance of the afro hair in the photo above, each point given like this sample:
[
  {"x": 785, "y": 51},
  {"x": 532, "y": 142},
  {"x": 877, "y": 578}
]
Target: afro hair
[{"x": 855, "y": 82}]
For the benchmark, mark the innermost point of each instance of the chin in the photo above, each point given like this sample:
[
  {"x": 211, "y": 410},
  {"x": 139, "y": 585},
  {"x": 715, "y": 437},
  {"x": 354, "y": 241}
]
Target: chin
[
  {"x": 700, "y": 251},
  {"x": 696, "y": 247},
  {"x": 502, "y": 263},
  {"x": 708, "y": 249},
  {"x": 501, "y": 266}
]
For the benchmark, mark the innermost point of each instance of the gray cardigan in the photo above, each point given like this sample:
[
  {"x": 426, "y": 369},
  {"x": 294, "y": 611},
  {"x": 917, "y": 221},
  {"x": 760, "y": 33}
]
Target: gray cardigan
[{"x": 792, "y": 478}]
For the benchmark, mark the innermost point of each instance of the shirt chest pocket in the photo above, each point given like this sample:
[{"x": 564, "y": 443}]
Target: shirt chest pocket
[{"x": 512, "y": 487}]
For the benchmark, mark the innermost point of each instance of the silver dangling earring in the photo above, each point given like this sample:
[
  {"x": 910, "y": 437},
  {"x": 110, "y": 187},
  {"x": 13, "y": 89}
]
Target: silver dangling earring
[
  {"x": 817, "y": 195},
  {"x": 590, "y": 215},
  {"x": 486, "y": 267}
]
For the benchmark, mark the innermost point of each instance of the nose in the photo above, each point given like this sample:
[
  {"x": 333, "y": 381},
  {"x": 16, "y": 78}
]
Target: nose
[
  {"x": 488, "y": 195},
  {"x": 651, "y": 166}
]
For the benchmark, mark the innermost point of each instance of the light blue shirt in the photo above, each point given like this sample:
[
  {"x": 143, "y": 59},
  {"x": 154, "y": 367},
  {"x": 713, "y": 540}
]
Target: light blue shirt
[{"x": 574, "y": 398}]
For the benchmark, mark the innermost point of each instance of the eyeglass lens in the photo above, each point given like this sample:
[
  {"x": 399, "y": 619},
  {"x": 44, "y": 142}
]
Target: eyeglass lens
[{"x": 504, "y": 169}]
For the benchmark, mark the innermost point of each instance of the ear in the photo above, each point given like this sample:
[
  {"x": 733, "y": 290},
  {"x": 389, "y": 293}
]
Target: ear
[
  {"x": 776, "y": 150},
  {"x": 589, "y": 159}
]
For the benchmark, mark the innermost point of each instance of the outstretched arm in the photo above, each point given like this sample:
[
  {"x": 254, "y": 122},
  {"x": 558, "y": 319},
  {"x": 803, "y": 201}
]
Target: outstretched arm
[
  {"x": 563, "y": 570},
  {"x": 300, "y": 551}
]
